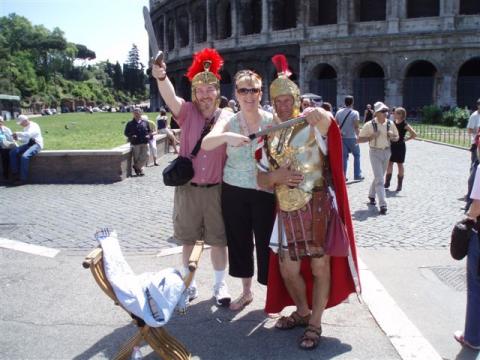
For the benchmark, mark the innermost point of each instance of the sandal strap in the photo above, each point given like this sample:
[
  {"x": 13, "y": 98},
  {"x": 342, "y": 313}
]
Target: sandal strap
[{"x": 313, "y": 329}]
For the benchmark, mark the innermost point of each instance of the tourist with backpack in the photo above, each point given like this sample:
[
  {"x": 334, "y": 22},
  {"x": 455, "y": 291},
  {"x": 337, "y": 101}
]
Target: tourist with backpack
[{"x": 379, "y": 132}]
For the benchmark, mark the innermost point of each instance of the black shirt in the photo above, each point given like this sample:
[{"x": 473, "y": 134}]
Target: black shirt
[{"x": 137, "y": 132}]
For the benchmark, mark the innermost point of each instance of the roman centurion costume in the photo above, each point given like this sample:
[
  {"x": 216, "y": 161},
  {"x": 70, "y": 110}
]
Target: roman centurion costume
[{"x": 304, "y": 212}]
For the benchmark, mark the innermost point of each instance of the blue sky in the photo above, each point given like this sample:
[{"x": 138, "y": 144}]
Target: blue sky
[{"x": 108, "y": 27}]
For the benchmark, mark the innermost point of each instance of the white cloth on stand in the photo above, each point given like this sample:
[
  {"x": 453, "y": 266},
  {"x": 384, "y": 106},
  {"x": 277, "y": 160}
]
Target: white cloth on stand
[{"x": 151, "y": 296}]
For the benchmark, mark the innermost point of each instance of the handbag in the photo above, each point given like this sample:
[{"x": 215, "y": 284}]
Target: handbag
[
  {"x": 460, "y": 238},
  {"x": 336, "y": 242},
  {"x": 180, "y": 170}
]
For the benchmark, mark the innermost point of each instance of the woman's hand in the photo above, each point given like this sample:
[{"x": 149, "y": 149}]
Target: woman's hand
[
  {"x": 285, "y": 176},
  {"x": 236, "y": 140}
]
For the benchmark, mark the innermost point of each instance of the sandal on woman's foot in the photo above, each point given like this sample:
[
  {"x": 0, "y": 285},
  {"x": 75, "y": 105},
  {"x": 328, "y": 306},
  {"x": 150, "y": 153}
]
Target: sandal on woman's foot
[
  {"x": 310, "y": 338},
  {"x": 241, "y": 302},
  {"x": 291, "y": 321},
  {"x": 458, "y": 335}
]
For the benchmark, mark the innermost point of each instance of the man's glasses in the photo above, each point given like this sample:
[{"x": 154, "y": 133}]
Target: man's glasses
[{"x": 245, "y": 91}]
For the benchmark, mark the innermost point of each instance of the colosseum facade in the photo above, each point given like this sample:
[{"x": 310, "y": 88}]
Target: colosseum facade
[{"x": 405, "y": 52}]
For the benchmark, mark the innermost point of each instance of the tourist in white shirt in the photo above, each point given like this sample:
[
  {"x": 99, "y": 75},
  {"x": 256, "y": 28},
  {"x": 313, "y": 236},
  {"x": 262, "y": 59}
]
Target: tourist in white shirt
[
  {"x": 31, "y": 144},
  {"x": 472, "y": 129}
]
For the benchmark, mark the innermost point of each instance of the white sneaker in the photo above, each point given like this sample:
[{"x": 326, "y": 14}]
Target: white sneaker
[
  {"x": 221, "y": 294},
  {"x": 192, "y": 293}
]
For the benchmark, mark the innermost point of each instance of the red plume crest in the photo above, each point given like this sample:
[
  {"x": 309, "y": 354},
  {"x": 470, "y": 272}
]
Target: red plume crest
[
  {"x": 281, "y": 64},
  {"x": 210, "y": 55}
]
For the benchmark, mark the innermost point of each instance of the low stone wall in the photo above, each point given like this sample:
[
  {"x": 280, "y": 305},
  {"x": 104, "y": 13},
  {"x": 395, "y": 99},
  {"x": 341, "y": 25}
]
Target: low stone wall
[{"x": 86, "y": 166}]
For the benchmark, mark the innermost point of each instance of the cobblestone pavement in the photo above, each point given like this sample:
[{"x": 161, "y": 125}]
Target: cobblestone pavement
[{"x": 66, "y": 216}]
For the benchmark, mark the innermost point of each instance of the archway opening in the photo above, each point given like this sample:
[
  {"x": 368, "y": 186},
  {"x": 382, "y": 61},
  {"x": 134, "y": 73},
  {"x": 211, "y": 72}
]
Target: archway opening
[
  {"x": 226, "y": 86},
  {"x": 251, "y": 16},
  {"x": 419, "y": 86},
  {"x": 322, "y": 12},
  {"x": 370, "y": 10},
  {"x": 171, "y": 34},
  {"x": 182, "y": 28},
  {"x": 324, "y": 83},
  {"x": 469, "y": 7},
  {"x": 368, "y": 85},
  {"x": 200, "y": 24},
  {"x": 284, "y": 14},
  {"x": 423, "y": 8},
  {"x": 223, "y": 20},
  {"x": 468, "y": 83}
]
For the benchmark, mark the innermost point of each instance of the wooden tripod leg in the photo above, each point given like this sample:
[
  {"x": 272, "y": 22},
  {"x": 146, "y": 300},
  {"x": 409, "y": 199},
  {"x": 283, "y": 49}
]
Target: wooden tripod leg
[
  {"x": 126, "y": 351},
  {"x": 193, "y": 262},
  {"x": 164, "y": 344}
]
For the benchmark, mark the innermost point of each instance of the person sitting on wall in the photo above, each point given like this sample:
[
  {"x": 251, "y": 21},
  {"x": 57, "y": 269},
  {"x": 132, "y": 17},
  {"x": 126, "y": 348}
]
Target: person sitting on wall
[{"x": 32, "y": 143}]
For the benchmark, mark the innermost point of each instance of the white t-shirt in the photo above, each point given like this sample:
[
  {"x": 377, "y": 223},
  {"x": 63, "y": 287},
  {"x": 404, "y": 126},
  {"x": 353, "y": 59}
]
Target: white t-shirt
[
  {"x": 475, "y": 195},
  {"x": 474, "y": 124},
  {"x": 32, "y": 131}
]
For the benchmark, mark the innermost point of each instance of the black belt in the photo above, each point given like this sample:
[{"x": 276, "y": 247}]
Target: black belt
[{"x": 203, "y": 185}]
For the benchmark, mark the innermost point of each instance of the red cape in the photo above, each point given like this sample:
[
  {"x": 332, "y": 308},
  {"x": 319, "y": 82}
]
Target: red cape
[{"x": 342, "y": 283}]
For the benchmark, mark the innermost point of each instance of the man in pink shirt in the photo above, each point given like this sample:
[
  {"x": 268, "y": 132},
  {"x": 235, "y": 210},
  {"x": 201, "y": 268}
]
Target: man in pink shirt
[{"x": 197, "y": 208}]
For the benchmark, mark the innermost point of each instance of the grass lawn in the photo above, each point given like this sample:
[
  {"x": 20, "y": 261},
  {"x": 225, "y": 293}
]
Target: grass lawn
[{"x": 82, "y": 131}]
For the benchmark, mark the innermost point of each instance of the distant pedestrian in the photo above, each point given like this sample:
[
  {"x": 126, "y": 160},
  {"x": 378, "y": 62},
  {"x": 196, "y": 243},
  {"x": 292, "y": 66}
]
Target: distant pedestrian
[
  {"x": 305, "y": 104},
  {"x": 348, "y": 120},
  {"x": 398, "y": 148},
  {"x": 470, "y": 337},
  {"x": 368, "y": 114},
  {"x": 379, "y": 132},
  {"x": 233, "y": 105},
  {"x": 32, "y": 143},
  {"x": 473, "y": 127},
  {"x": 163, "y": 128},
  {"x": 152, "y": 141},
  {"x": 6, "y": 144},
  {"x": 138, "y": 133},
  {"x": 327, "y": 106}
]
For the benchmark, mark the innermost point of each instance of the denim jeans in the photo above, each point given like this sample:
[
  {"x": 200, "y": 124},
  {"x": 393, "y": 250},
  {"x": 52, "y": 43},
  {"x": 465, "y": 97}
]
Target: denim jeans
[
  {"x": 351, "y": 146},
  {"x": 25, "y": 152},
  {"x": 472, "y": 321}
]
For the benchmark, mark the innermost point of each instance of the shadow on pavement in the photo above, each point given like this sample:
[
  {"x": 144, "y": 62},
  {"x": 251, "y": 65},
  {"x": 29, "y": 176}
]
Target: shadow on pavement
[
  {"x": 363, "y": 215},
  {"x": 109, "y": 345},
  {"x": 467, "y": 354}
]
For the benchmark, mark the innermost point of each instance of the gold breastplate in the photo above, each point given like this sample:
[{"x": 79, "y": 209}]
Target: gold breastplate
[{"x": 296, "y": 147}]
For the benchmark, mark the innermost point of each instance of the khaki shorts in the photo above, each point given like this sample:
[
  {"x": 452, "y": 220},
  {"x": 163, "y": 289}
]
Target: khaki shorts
[{"x": 198, "y": 215}]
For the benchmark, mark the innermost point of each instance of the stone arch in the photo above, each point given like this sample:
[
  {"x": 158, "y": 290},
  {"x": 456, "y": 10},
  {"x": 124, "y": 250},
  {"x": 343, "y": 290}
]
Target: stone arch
[
  {"x": 370, "y": 10},
  {"x": 170, "y": 34},
  {"x": 468, "y": 83},
  {"x": 223, "y": 20},
  {"x": 469, "y": 7},
  {"x": 199, "y": 22},
  {"x": 322, "y": 12},
  {"x": 324, "y": 82},
  {"x": 284, "y": 14},
  {"x": 419, "y": 87},
  {"x": 183, "y": 28},
  {"x": 226, "y": 85},
  {"x": 423, "y": 8},
  {"x": 251, "y": 16},
  {"x": 368, "y": 84}
]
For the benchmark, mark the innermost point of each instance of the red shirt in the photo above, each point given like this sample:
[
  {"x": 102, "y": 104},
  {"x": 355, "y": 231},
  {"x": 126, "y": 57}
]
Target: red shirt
[{"x": 207, "y": 165}]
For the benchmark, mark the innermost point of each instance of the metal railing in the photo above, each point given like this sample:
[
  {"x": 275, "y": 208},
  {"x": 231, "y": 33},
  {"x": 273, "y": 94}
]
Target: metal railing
[{"x": 448, "y": 135}]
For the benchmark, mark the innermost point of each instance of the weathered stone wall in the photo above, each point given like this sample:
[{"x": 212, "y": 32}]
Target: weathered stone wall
[
  {"x": 401, "y": 37},
  {"x": 85, "y": 166}
]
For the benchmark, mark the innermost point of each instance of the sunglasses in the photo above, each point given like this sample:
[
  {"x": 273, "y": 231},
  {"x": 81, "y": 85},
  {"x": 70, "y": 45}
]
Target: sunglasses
[
  {"x": 245, "y": 91},
  {"x": 384, "y": 111}
]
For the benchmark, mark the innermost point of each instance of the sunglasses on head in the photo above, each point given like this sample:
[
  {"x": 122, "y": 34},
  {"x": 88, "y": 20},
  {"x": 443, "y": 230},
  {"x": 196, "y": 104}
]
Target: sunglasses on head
[{"x": 244, "y": 91}]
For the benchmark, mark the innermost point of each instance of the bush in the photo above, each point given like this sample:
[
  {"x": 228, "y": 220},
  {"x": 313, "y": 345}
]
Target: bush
[
  {"x": 461, "y": 117},
  {"x": 431, "y": 114}
]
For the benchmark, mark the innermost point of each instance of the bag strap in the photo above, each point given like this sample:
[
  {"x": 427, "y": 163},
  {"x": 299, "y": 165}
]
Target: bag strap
[
  {"x": 345, "y": 118},
  {"x": 205, "y": 131}
]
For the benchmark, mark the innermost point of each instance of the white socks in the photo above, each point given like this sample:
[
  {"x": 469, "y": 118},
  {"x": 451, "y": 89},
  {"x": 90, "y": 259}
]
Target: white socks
[{"x": 219, "y": 276}]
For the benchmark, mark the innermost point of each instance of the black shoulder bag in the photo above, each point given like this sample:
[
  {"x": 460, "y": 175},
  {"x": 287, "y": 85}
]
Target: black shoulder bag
[{"x": 180, "y": 171}]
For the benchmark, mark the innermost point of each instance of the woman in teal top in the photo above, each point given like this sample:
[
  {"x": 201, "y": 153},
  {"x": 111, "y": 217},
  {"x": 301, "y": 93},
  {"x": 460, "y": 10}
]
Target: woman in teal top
[{"x": 247, "y": 210}]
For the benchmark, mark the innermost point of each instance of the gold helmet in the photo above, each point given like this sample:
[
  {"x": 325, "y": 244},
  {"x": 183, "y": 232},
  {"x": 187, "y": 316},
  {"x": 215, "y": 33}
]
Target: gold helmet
[
  {"x": 282, "y": 85},
  {"x": 205, "y": 69}
]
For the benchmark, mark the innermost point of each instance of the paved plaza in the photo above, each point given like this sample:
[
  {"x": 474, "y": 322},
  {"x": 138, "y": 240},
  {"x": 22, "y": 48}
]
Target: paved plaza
[{"x": 56, "y": 307}]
